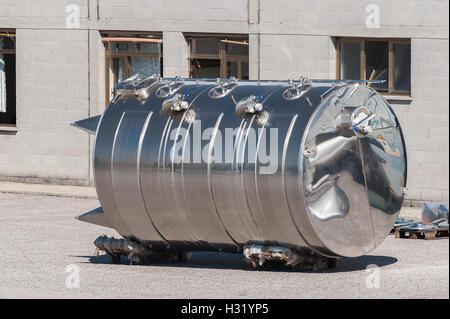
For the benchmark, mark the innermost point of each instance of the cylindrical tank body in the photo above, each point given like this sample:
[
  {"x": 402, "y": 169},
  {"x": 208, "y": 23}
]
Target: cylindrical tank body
[{"x": 202, "y": 165}]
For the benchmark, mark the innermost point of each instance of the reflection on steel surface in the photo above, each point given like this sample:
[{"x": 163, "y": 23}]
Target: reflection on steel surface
[{"x": 311, "y": 166}]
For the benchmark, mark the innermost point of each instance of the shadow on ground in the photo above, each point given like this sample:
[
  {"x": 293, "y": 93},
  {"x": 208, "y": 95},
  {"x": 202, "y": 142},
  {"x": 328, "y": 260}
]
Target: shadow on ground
[{"x": 217, "y": 260}]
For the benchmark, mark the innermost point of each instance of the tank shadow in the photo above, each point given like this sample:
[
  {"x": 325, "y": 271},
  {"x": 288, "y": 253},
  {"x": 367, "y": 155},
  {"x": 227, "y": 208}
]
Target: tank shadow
[
  {"x": 214, "y": 260},
  {"x": 360, "y": 263}
]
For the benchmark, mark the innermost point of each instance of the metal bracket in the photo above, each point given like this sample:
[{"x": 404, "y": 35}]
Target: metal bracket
[
  {"x": 263, "y": 255},
  {"x": 136, "y": 252}
]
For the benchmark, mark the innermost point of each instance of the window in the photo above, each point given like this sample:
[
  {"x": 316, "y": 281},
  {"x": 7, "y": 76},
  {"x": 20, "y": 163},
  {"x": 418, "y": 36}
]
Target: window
[
  {"x": 7, "y": 78},
  {"x": 375, "y": 59},
  {"x": 218, "y": 56},
  {"x": 128, "y": 54}
]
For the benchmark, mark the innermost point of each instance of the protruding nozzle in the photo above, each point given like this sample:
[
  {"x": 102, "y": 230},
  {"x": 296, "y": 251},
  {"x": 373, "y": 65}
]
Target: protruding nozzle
[
  {"x": 88, "y": 125},
  {"x": 96, "y": 217}
]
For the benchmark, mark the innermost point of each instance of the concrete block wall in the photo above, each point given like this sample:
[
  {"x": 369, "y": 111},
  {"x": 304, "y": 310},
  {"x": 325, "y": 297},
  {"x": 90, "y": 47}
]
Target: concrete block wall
[
  {"x": 398, "y": 18},
  {"x": 52, "y": 91},
  {"x": 254, "y": 59},
  {"x": 175, "y": 55},
  {"x": 96, "y": 73},
  {"x": 60, "y": 72},
  {"x": 425, "y": 121},
  {"x": 174, "y": 15},
  {"x": 292, "y": 56},
  {"x": 39, "y": 14}
]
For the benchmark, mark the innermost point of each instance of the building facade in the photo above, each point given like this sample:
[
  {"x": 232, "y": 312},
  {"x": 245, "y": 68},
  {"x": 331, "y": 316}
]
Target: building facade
[{"x": 60, "y": 60}]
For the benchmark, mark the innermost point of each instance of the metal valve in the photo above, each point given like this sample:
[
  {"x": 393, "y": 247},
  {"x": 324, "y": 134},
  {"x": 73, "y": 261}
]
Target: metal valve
[
  {"x": 352, "y": 121},
  {"x": 175, "y": 104},
  {"x": 362, "y": 116},
  {"x": 249, "y": 105},
  {"x": 178, "y": 103},
  {"x": 363, "y": 129}
]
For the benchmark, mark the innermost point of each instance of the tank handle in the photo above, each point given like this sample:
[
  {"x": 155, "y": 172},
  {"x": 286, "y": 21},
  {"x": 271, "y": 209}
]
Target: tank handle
[
  {"x": 137, "y": 87},
  {"x": 223, "y": 88},
  {"x": 297, "y": 90},
  {"x": 170, "y": 88}
]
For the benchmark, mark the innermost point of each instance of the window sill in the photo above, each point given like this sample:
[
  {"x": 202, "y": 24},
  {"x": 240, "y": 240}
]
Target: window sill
[
  {"x": 401, "y": 98},
  {"x": 8, "y": 128}
]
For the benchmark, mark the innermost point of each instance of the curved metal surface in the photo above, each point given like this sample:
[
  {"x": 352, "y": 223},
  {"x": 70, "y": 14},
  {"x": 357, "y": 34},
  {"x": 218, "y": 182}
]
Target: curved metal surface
[
  {"x": 310, "y": 165},
  {"x": 352, "y": 185}
]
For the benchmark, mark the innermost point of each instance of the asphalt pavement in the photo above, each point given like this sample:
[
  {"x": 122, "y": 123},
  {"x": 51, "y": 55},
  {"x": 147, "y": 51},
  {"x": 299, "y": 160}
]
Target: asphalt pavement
[{"x": 46, "y": 253}]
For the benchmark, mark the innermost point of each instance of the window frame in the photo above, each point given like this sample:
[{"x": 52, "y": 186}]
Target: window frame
[
  {"x": 126, "y": 56},
  {"x": 222, "y": 56},
  {"x": 391, "y": 58},
  {"x": 12, "y": 34}
]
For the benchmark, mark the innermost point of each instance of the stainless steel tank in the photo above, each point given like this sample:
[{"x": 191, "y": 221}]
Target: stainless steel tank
[{"x": 308, "y": 165}]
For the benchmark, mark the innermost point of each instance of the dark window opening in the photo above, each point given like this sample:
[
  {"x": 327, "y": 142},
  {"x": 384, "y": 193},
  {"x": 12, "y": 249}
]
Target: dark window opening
[
  {"x": 7, "y": 79},
  {"x": 377, "y": 63},
  {"x": 350, "y": 60},
  {"x": 367, "y": 59},
  {"x": 205, "y": 68},
  {"x": 402, "y": 67},
  {"x": 128, "y": 54},
  {"x": 218, "y": 56}
]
